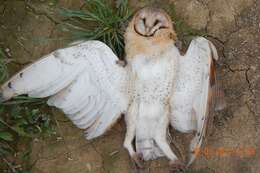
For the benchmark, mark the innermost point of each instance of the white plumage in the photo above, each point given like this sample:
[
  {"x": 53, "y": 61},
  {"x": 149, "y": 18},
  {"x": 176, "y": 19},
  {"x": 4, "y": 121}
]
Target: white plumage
[{"x": 158, "y": 87}]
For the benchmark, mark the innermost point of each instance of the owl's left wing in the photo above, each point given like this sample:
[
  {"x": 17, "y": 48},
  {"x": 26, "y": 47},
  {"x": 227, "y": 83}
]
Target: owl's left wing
[{"x": 193, "y": 91}]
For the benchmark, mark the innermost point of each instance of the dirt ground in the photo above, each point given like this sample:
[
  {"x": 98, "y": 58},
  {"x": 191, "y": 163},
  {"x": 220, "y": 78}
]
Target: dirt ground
[{"x": 234, "y": 26}]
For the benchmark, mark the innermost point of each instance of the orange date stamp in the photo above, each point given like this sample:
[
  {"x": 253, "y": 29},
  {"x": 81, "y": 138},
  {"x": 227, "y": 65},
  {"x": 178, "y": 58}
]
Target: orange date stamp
[{"x": 241, "y": 152}]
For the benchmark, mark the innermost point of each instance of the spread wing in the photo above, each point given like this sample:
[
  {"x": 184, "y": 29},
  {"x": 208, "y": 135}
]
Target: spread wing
[
  {"x": 192, "y": 96},
  {"x": 82, "y": 80}
]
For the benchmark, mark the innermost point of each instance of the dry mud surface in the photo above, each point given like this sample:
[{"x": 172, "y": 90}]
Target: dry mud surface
[{"x": 234, "y": 26}]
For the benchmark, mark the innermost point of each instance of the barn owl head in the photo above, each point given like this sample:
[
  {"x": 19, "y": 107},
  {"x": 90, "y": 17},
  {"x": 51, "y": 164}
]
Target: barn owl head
[
  {"x": 149, "y": 32},
  {"x": 148, "y": 21}
]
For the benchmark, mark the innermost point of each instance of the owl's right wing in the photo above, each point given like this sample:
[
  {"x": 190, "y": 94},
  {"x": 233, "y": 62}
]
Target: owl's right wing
[
  {"x": 83, "y": 81},
  {"x": 195, "y": 92}
]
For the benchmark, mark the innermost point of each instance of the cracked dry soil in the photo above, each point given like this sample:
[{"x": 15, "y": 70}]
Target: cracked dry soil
[{"x": 234, "y": 26}]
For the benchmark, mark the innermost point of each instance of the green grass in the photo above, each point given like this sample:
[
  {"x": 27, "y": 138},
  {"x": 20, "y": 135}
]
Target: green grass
[
  {"x": 19, "y": 124},
  {"x": 100, "y": 20}
]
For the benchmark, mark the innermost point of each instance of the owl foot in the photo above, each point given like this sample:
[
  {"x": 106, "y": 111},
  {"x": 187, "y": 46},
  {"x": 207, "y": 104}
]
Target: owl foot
[
  {"x": 121, "y": 63},
  {"x": 137, "y": 158},
  {"x": 176, "y": 166}
]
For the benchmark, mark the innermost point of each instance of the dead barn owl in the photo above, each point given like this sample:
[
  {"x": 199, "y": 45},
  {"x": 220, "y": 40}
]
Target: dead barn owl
[{"x": 158, "y": 87}]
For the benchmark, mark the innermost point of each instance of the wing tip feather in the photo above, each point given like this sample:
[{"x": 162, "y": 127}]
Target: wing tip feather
[
  {"x": 194, "y": 149},
  {"x": 213, "y": 50}
]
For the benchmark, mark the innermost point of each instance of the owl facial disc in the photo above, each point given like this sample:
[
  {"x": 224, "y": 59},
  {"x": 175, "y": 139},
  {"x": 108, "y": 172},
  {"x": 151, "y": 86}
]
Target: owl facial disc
[{"x": 150, "y": 20}]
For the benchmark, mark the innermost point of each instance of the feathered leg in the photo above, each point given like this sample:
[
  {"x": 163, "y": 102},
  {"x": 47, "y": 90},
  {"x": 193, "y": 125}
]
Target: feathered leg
[
  {"x": 161, "y": 140},
  {"x": 130, "y": 119}
]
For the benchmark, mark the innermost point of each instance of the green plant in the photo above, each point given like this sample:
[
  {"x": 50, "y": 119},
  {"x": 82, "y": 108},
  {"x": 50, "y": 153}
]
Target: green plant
[
  {"x": 100, "y": 20},
  {"x": 25, "y": 121},
  {"x": 18, "y": 125},
  {"x": 21, "y": 121}
]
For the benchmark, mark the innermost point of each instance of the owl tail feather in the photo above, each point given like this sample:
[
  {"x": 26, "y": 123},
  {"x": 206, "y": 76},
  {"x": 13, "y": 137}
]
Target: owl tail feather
[{"x": 148, "y": 149}]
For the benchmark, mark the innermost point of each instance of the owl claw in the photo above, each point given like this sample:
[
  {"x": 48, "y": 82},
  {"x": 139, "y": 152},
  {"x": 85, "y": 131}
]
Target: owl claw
[
  {"x": 138, "y": 160},
  {"x": 176, "y": 166}
]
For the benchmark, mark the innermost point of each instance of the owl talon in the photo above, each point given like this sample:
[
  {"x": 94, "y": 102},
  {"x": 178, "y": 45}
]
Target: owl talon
[
  {"x": 176, "y": 166},
  {"x": 138, "y": 160}
]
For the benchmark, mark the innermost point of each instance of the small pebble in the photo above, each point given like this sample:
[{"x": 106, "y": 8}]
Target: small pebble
[
  {"x": 59, "y": 138},
  {"x": 114, "y": 152},
  {"x": 7, "y": 50},
  {"x": 88, "y": 166},
  {"x": 70, "y": 159}
]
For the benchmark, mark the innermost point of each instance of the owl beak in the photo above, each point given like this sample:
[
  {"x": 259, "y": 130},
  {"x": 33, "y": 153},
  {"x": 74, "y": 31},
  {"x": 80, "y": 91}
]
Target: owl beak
[{"x": 149, "y": 31}]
